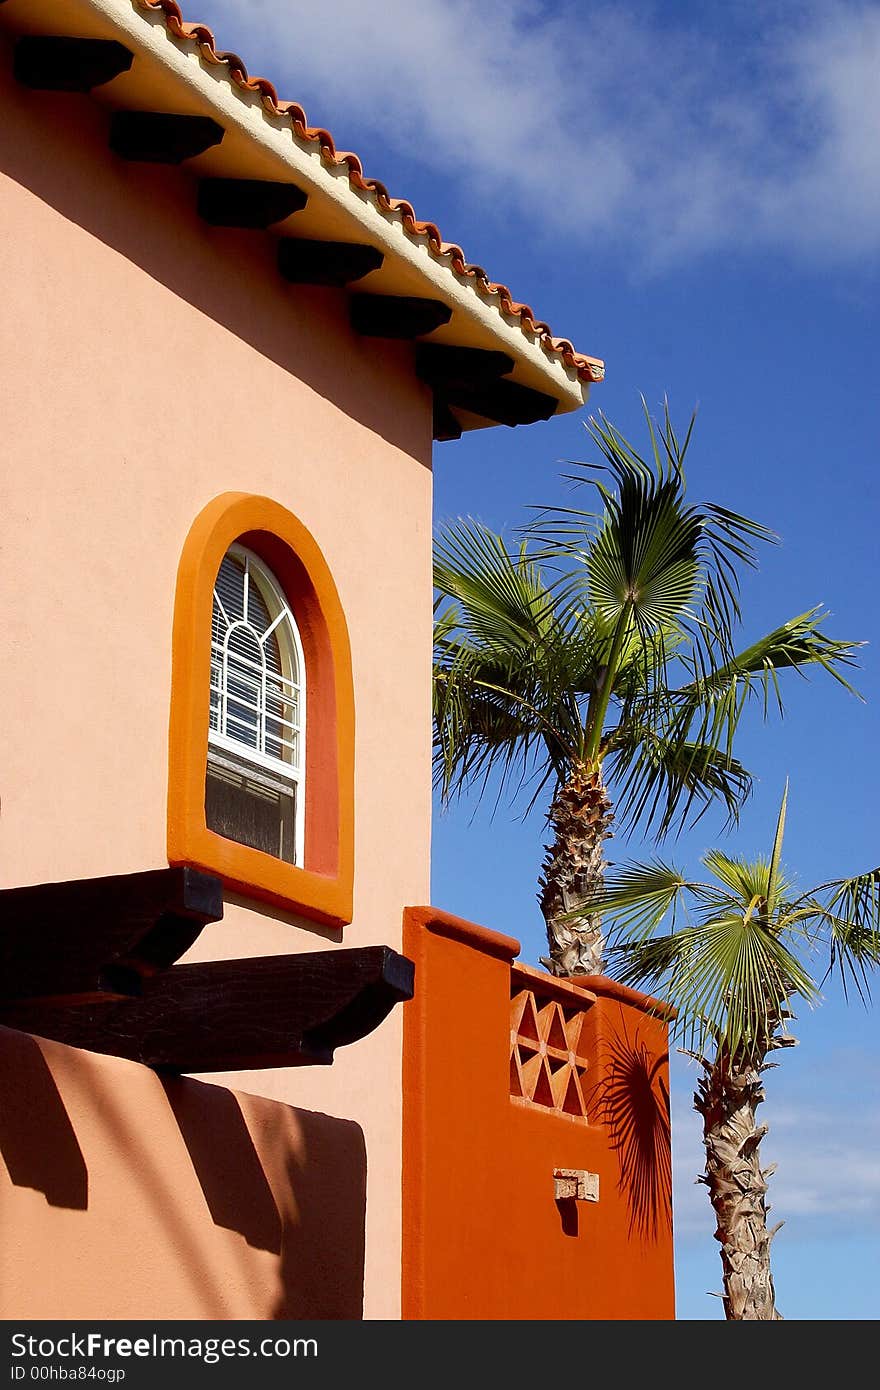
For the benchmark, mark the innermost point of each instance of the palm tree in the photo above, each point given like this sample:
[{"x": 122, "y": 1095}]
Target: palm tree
[
  {"x": 599, "y": 654},
  {"x": 732, "y": 971}
]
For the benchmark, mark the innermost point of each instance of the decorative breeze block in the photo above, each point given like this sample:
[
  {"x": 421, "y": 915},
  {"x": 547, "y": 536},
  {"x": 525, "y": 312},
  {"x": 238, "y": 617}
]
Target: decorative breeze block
[{"x": 547, "y": 1064}]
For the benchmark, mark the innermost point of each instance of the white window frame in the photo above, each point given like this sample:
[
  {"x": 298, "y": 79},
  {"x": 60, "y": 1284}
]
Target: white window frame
[{"x": 237, "y": 756}]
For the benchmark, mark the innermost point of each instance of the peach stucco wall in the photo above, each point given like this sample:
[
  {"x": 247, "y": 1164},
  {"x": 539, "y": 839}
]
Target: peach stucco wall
[
  {"x": 124, "y": 1195},
  {"x": 148, "y": 363}
]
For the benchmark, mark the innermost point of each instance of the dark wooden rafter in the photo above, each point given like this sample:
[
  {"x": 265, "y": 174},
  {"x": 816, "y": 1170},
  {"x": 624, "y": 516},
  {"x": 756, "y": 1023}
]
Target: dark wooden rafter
[
  {"x": 158, "y": 137},
  {"x": 254, "y": 203},
  {"x": 102, "y": 937},
  {"x": 337, "y": 263},
  {"x": 441, "y": 365},
  {"x": 55, "y": 63},
  {"x": 271, "y": 1011},
  {"x": 448, "y": 368},
  {"x": 446, "y": 426},
  {"x": 397, "y": 316},
  {"x": 506, "y": 402}
]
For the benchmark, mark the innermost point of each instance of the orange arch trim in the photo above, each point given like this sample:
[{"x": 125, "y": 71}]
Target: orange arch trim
[{"x": 322, "y": 889}]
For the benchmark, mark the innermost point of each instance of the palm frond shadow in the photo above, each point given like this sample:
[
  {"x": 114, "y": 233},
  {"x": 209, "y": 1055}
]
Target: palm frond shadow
[{"x": 630, "y": 1097}]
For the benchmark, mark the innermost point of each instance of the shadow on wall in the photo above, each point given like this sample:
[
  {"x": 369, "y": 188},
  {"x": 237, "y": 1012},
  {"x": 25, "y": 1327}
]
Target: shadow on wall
[
  {"x": 322, "y": 1260},
  {"x": 314, "y": 1221},
  {"x": 291, "y": 1183},
  {"x": 631, "y": 1098},
  {"x": 37, "y": 1140},
  {"x": 225, "y": 1161}
]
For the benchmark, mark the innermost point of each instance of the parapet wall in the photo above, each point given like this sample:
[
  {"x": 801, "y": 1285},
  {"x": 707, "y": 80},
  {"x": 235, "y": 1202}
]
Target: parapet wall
[{"x": 511, "y": 1075}]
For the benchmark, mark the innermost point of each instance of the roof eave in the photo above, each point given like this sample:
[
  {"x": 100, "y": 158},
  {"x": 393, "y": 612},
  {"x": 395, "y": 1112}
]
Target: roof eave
[{"x": 189, "y": 76}]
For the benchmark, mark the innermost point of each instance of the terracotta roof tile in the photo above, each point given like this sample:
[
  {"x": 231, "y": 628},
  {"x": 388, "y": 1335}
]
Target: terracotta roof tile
[{"x": 588, "y": 368}]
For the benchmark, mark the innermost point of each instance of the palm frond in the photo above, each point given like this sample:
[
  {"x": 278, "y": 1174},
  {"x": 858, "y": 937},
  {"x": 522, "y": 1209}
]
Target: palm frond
[
  {"x": 798, "y": 644},
  {"x": 665, "y": 784},
  {"x": 635, "y": 899},
  {"x": 705, "y": 712},
  {"x": 729, "y": 978},
  {"x": 746, "y": 879},
  {"x": 485, "y": 720},
  {"x": 515, "y": 662},
  {"x": 646, "y": 543},
  {"x": 501, "y": 598},
  {"x": 845, "y": 917},
  {"x": 731, "y": 969},
  {"x": 647, "y": 964},
  {"x": 774, "y": 885}
]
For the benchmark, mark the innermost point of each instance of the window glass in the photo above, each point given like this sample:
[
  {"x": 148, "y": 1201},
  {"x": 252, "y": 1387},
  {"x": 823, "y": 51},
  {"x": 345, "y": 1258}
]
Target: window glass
[{"x": 254, "y": 791}]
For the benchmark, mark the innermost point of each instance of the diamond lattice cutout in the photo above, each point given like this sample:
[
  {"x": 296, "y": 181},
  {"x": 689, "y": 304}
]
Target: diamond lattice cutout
[
  {"x": 556, "y": 1035},
  {"x": 516, "y": 1080},
  {"x": 543, "y": 1092},
  {"x": 528, "y": 1026},
  {"x": 546, "y": 1058}
]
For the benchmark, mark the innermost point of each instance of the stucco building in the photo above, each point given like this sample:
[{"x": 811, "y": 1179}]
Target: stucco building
[{"x": 225, "y": 355}]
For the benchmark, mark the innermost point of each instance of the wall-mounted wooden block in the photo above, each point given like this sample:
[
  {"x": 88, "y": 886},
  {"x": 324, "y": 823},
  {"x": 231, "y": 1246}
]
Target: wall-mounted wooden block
[
  {"x": 445, "y": 424},
  {"x": 158, "y": 137},
  {"x": 575, "y": 1185},
  {"x": 334, "y": 263},
  {"x": 53, "y": 63},
  {"x": 440, "y": 364},
  {"x": 97, "y": 937},
  {"x": 231, "y": 1015},
  {"x": 396, "y": 316},
  {"x": 507, "y": 402},
  {"x": 253, "y": 203}
]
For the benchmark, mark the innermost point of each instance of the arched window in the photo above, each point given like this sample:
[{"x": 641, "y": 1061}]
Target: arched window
[
  {"x": 259, "y": 635},
  {"x": 254, "y": 790}
]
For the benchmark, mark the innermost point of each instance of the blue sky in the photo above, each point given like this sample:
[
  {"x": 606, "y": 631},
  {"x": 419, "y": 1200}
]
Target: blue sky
[{"x": 691, "y": 192}]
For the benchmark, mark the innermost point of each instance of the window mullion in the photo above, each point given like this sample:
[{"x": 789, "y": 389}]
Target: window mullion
[
  {"x": 262, "y": 734},
  {"x": 219, "y": 602},
  {"x": 224, "y": 682}
]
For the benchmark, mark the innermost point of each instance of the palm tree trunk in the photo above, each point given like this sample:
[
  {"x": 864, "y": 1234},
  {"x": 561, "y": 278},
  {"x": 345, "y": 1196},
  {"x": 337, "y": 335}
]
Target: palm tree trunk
[
  {"x": 574, "y": 868},
  {"x": 727, "y": 1097}
]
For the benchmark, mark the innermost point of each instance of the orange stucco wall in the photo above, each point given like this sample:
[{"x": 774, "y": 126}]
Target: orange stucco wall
[
  {"x": 149, "y": 363},
  {"x": 484, "y": 1237}
]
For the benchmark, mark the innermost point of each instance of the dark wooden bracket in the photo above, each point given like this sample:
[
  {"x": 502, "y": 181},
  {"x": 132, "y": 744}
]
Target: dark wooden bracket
[
  {"x": 156, "y": 137},
  {"x": 99, "y": 937},
  {"x": 396, "y": 316},
  {"x": 58, "y": 64},
  {"x": 336, "y": 263},
  {"x": 445, "y": 424},
  {"x": 441, "y": 365},
  {"x": 90, "y": 963},
  {"x": 254, "y": 203},
  {"x": 504, "y": 401},
  {"x": 463, "y": 370},
  {"x": 270, "y": 1011}
]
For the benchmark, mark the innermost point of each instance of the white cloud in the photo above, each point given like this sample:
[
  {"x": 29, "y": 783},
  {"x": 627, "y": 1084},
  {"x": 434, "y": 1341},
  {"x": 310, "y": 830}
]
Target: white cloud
[{"x": 623, "y": 126}]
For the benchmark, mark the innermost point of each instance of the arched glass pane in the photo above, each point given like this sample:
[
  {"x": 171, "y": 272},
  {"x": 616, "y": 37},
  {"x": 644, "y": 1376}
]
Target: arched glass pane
[
  {"x": 245, "y": 684},
  {"x": 254, "y": 781},
  {"x": 255, "y": 692}
]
